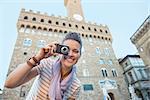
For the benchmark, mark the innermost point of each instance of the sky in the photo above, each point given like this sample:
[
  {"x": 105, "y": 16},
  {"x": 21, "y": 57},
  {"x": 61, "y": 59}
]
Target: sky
[{"x": 123, "y": 17}]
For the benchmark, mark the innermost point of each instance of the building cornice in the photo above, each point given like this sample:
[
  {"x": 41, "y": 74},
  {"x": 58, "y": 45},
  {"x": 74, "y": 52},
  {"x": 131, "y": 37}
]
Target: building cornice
[{"x": 141, "y": 31}]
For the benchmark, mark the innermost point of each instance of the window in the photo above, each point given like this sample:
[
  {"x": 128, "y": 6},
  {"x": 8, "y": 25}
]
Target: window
[
  {"x": 49, "y": 21},
  {"x": 64, "y": 24},
  {"x": 33, "y": 30},
  {"x": 105, "y": 41},
  {"x": 26, "y": 17},
  {"x": 97, "y": 50},
  {"x": 25, "y": 53},
  {"x": 42, "y": 20},
  {"x": 114, "y": 73},
  {"x": 41, "y": 43},
  {"x": 82, "y": 27},
  {"x": 87, "y": 87},
  {"x": 69, "y": 25},
  {"x": 141, "y": 49},
  {"x": 27, "y": 30},
  {"x": 33, "y": 19},
  {"x": 101, "y": 30},
  {"x": 110, "y": 62},
  {"x": 22, "y": 29},
  {"x": 27, "y": 42},
  {"x": 23, "y": 91},
  {"x": 65, "y": 31},
  {"x": 76, "y": 26},
  {"x": 131, "y": 77},
  {"x": 141, "y": 73},
  {"x": 104, "y": 72},
  {"x": 101, "y": 61},
  {"x": 136, "y": 61},
  {"x": 106, "y": 51},
  {"x": 106, "y": 31},
  {"x": 83, "y": 49},
  {"x": 57, "y": 23},
  {"x": 90, "y": 40},
  {"x": 85, "y": 72}
]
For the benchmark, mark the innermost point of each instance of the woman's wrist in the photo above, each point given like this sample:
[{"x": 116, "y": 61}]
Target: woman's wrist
[{"x": 33, "y": 61}]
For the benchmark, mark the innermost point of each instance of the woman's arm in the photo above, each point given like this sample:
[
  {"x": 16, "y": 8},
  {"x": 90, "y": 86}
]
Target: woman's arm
[
  {"x": 20, "y": 75},
  {"x": 25, "y": 72}
]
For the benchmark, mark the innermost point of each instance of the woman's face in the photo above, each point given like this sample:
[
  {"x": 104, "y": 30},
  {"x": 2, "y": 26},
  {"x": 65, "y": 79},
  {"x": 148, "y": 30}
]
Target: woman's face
[{"x": 73, "y": 55}]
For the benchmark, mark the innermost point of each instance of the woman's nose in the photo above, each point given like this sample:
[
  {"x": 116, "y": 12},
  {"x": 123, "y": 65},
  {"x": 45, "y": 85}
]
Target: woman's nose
[{"x": 70, "y": 53}]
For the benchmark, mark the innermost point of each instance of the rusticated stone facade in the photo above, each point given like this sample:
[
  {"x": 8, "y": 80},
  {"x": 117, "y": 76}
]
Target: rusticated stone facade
[{"x": 97, "y": 67}]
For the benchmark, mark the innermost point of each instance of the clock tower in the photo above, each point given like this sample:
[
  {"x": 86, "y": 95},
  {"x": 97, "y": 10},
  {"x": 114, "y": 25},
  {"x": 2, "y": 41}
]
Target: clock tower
[{"x": 74, "y": 9}]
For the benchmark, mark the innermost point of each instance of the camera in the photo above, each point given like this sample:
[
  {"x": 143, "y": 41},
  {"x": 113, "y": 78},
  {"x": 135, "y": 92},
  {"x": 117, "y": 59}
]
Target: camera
[{"x": 62, "y": 49}]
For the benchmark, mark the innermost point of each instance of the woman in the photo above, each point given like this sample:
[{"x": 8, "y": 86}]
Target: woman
[{"x": 55, "y": 79}]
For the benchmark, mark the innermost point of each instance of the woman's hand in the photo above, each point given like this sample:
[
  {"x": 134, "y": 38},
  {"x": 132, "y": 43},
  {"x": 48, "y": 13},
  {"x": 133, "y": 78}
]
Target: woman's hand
[{"x": 47, "y": 51}]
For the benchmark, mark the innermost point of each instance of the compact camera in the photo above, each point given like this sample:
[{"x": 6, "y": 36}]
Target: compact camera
[{"x": 62, "y": 49}]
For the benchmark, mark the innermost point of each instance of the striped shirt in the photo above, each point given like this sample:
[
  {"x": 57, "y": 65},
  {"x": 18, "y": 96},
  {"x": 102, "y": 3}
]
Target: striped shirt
[{"x": 40, "y": 87}]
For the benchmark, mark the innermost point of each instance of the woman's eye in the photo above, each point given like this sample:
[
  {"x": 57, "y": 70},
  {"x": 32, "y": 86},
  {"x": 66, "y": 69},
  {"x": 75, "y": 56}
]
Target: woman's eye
[{"x": 76, "y": 51}]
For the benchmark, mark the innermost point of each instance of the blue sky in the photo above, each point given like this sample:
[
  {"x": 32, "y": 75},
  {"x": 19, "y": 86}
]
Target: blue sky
[{"x": 123, "y": 18}]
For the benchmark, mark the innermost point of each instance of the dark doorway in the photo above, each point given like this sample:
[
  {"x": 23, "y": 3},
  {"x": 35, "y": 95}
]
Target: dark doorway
[{"x": 111, "y": 95}]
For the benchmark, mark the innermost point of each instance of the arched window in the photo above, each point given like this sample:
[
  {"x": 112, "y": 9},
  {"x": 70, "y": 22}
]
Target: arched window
[
  {"x": 49, "y": 21},
  {"x": 76, "y": 26},
  {"x": 42, "y": 20},
  {"x": 101, "y": 61},
  {"x": 97, "y": 50},
  {"x": 33, "y": 19},
  {"x": 104, "y": 72},
  {"x": 114, "y": 73},
  {"x": 69, "y": 25},
  {"x": 85, "y": 72},
  {"x": 111, "y": 95},
  {"x": 89, "y": 28},
  {"x": 57, "y": 23},
  {"x": 23, "y": 91},
  {"x": 64, "y": 24},
  {"x": 110, "y": 62},
  {"x": 65, "y": 31},
  {"x": 27, "y": 30},
  {"x": 26, "y": 17},
  {"x": 55, "y": 30},
  {"x": 106, "y": 51},
  {"x": 33, "y": 30},
  {"x": 41, "y": 43},
  {"x": 22, "y": 28},
  {"x": 60, "y": 31},
  {"x": 27, "y": 42},
  {"x": 101, "y": 30},
  {"x": 82, "y": 27},
  {"x": 50, "y": 29}
]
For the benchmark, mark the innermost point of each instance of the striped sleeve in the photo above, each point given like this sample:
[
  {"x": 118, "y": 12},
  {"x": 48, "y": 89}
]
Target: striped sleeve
[{"x": 45, "y": 63}]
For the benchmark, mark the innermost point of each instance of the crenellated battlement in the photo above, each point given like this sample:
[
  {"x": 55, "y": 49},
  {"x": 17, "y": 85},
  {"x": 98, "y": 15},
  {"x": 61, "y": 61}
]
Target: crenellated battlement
[
  {"x": 23, "y": 10},
  {"x": 37, "y": 20}
]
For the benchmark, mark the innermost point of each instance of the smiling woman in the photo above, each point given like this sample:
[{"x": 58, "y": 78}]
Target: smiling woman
[
  {"x": 111, "y": 12},
  {"x": 56, "y": 79}
]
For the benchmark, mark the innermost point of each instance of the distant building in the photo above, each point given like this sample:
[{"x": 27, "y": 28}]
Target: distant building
[
  {"x": 97, "y": 67},
  {"x": 135, "y": 75},
  {"x": 141, "y": 39}
]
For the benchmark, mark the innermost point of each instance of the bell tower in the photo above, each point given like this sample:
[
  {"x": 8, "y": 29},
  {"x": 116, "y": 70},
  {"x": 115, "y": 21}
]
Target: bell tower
[{"x": 74, "y": 9}]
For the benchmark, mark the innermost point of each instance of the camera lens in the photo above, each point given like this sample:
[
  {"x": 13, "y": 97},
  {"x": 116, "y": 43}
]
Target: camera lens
[{"x": 64, "y": 50}]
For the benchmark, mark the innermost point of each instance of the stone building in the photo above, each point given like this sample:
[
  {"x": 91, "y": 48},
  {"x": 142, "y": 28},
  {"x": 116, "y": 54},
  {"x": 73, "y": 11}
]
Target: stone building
[
  {"x": 141, "y": 39},
  {"x": 97, "y": 67},
  {"x": 136, "y": 76}
]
